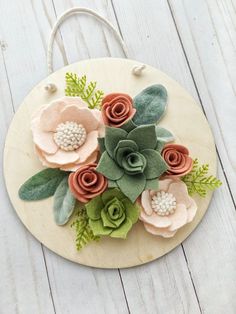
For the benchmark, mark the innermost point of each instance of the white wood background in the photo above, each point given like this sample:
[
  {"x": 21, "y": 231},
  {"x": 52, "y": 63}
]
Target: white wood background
[{"x": 194, "y": 41}]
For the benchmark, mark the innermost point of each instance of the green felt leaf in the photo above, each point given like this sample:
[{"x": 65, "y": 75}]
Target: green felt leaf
[
  {"x": 41, "y": 185},
  {"x": 64, "y": 203},
  {"x": 122, "y": 231},
  {"x": 108, "y": 167},
  {"x": 152, "y": 184},
  {"x": 156, "y": 165},
  {"x": 164, "y": 135},
  {"x": 132, "y": 210},
  {"x": 150, "y": 105},
  {"x": 98, "y": 228},
  {"x": 160, "y": 145},
  {"x": 132, "y": 186},
  {"x": 94, "y": 207},
  {"x": 101, "y": 143},
  {"x": 129, "y": 126},
  {"x": 144, "y": 136},
  {"x": 112, "y": 184},
  {"x": 110, "y": 194},
  {"x": 112, "y": 137}
]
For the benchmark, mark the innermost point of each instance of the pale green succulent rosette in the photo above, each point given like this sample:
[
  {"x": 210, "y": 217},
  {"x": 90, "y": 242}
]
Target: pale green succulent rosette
[
  {"x": 131, "y": 159},
  {"x": 112, "y": 214}
]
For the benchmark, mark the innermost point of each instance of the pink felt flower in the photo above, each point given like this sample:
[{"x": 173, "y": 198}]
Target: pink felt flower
[
  {"x": 65, "y": 133},
  {"x": 169, "y": 208}
]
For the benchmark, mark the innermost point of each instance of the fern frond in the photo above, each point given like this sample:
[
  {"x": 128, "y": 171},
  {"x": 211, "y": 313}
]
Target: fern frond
[
  {"x": 198, "y": 182},
  {"x": 84, "y": 234},
  {"x": 78, "y": 87}
]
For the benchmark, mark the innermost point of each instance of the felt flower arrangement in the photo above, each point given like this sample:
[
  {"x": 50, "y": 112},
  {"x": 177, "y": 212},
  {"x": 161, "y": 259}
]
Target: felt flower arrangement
[{"x": 110, "y": 164}]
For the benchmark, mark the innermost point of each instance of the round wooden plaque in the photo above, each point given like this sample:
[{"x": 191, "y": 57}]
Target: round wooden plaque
[{"x": 183, "y": 117}]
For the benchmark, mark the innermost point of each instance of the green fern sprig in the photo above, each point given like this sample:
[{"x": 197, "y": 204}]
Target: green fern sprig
[
  {"x": 78, "y": 87},
  {"x": 84, "y": 234},
  {"x": 198, "y": 182}
]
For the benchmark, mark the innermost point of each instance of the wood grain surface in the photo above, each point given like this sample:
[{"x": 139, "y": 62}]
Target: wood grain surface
[{"x": 193, "y": 42}]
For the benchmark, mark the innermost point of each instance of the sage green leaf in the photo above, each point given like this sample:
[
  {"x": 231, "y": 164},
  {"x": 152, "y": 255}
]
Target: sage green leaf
[
  {"x": 64, "y": 203},
  {"x": 108, "y": 167},
  {"x": 112, "y": 137},
  {"x": 132, "y": 186},
  {"x": 122, "y": 231},
  {"x": 156, "y": 165},
  {"x": 152, "y": 184},
  {"x": 150, "y": 105},
  {"x": 123, "y": 148},
  {"x": 144, "y": 136},
  {"x": 112, "y": 184},
  {"x": 164, "y": 135},
  {"x": 129, "y": 126},
  {"x": 101, "y": 143},
  {"x": 41, "y": 185}
]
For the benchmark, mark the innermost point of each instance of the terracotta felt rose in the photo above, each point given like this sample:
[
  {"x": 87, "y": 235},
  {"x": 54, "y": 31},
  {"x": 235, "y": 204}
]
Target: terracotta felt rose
[
  {"x": 117, "y": 109},
  {"x": 86, "y": 183},
  {"x": 178, "y": 160}
]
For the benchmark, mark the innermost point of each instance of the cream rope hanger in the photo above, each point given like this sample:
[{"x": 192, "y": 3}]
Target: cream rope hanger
[{"x": 137, "y": 70}]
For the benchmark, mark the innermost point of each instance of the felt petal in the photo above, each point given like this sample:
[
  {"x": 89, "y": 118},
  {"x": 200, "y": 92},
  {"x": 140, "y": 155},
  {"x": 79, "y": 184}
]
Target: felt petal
[
  {"x": 109, "y": 168},
  {"x": 156, "y": 165},
  {"x": 146, "y": 202},
  {"x": 122, "y": 231},
  {"x": 132, "y": 186},
  {"x": 112, "y": 184},
  {"x": 144, "y": 136},
  {"x": 179, "y": 218},
  {"x": 164, "y": 135},
  {"x": 44, "y": 140},
  {"x": 62, "y": 157},
  {"x": 164, "y": 184},
  {"x": 82, "y": 116},
  {"x": 164, "y": 232},
  {"x": 74, "y": 166},
  {"x": 94, "y": 208},
  {"x": 108, "y": 195},
  {"x": 129, "y": 126},
  {"x": 90, "y": 145},
  {"x": 98, "y": 228},
  {"x": 155, "y": 220},
  {"x": 51, "y": 114},
  {"x": 112, "y": 137},
  {"x": 101, "y": 143},
  {"x": 109, "y": 223},
  {"x": 191, "y": 212},
  {"x": 152, "y": 184},
  {"x": 180, "y": 192},
  {"x": 132, "y": 210},
  {"x": 41, "y": 156}
]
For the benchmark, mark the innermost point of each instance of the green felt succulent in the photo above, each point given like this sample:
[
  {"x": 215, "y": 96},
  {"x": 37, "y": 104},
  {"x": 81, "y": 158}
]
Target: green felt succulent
[
  {"x": 112, "y": 214},
  {"x": 130, "y": 158}
]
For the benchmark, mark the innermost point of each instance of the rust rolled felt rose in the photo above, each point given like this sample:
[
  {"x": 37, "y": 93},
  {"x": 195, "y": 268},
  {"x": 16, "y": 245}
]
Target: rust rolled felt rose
[
  {"x": 117, "y": 109},
  {"x": 178, "y": 160},
  {"x": 86, "y": 183}
]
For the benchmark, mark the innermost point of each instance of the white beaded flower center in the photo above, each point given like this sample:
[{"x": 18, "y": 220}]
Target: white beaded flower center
[
  {"x": 163, "y": 203},
  {"x": 70, "y": 135}
]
